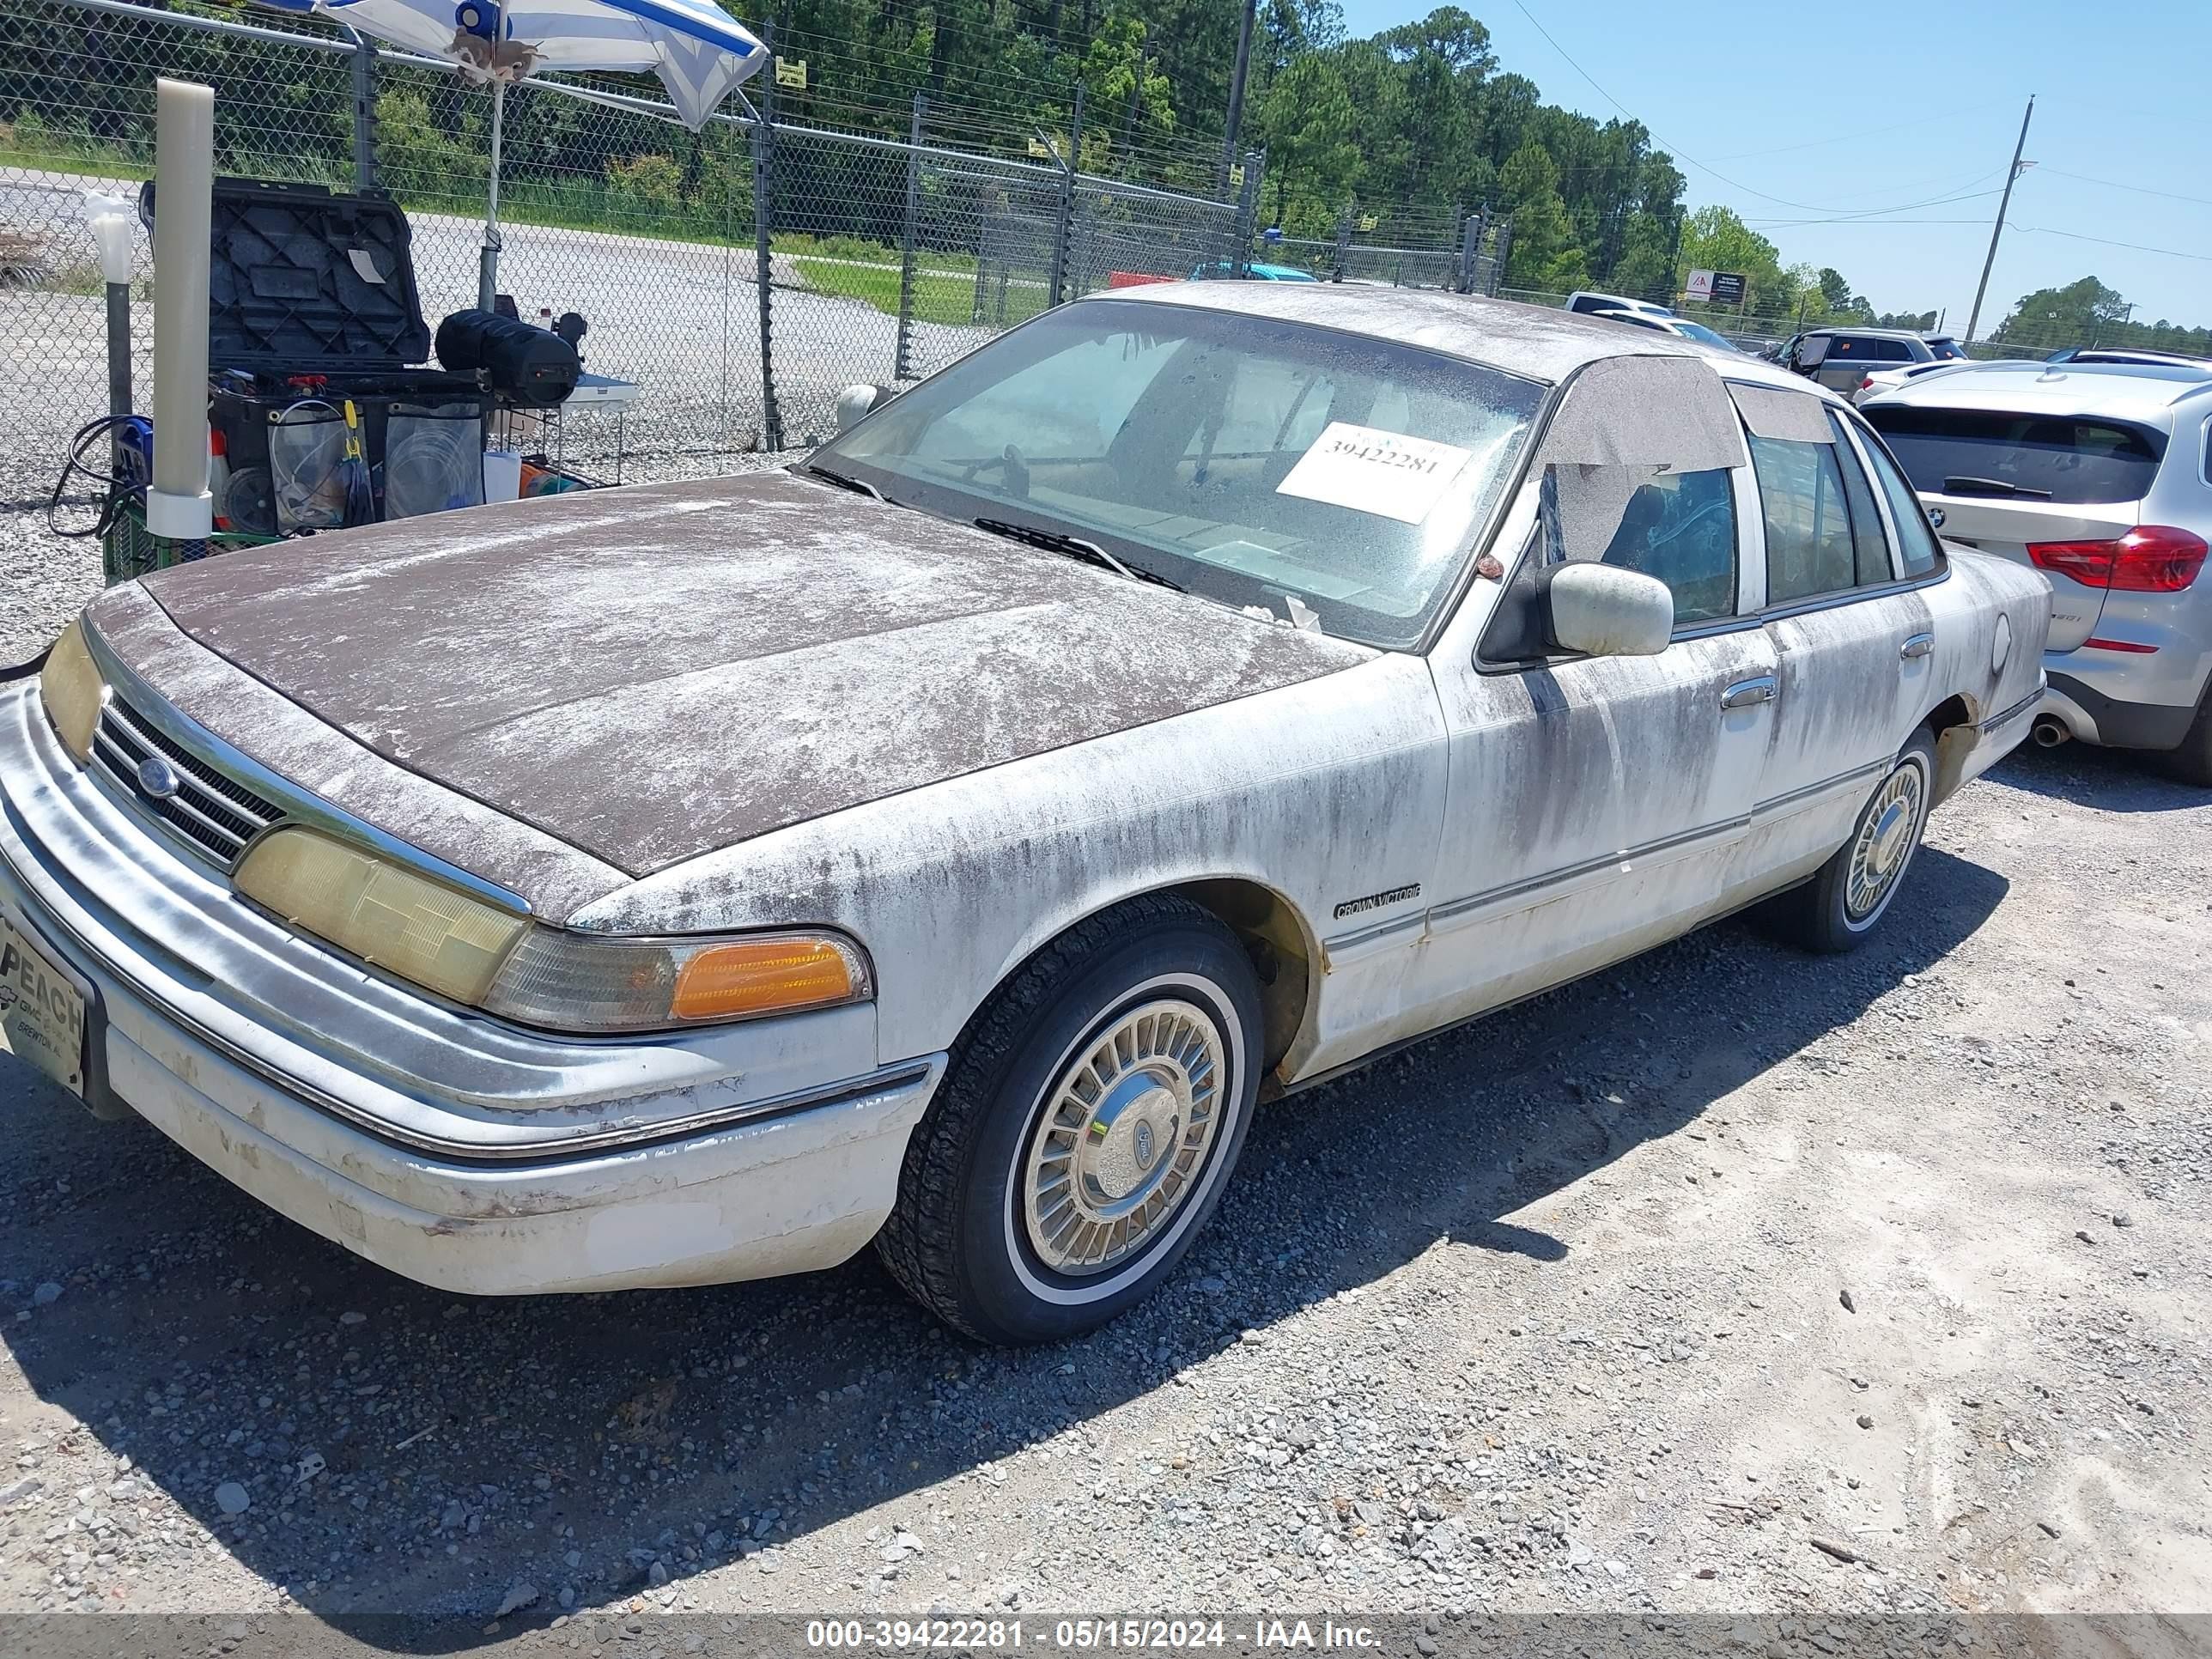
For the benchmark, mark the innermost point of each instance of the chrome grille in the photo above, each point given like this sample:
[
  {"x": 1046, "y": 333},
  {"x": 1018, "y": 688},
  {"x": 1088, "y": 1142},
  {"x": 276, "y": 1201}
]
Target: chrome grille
[{"x": 214, "y": 813}]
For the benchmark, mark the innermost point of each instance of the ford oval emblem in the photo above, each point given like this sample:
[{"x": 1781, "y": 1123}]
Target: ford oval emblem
[{"x": 158, "y": 778}]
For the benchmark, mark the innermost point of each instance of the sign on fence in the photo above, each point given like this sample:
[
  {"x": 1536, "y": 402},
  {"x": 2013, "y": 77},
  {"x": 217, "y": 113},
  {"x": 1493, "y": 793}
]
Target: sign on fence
[
  {"x": 1728, "y": 287},
  {"x": 791, "y": 72},
  {"x": 1700, "y": 285}
]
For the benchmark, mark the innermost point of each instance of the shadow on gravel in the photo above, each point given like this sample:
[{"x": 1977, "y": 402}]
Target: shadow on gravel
[
  {"x": 2109, "y": 780},
  {"x": 405, "y": 1450}
]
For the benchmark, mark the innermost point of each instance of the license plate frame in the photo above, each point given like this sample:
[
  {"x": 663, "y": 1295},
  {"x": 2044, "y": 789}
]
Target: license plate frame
[{"x": 45, "y": 1009}]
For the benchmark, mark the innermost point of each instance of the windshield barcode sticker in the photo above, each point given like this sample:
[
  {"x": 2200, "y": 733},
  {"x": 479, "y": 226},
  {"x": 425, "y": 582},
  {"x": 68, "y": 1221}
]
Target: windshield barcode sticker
[{"x": 1370, "y": 471}]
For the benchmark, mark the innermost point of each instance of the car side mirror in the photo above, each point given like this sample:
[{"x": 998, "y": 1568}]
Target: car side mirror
[
  {"x": 854, "y": 401},
  {"x": 1603, "y": 610}
]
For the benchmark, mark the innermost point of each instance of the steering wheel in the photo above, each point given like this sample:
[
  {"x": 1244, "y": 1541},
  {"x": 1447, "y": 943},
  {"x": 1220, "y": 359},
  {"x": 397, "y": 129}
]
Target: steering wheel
[{"x": 1011, "y": 463}]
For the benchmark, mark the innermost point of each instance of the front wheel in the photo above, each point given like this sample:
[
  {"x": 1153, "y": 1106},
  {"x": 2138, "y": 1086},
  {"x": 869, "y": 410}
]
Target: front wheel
[
  {"x": 1838, "y": 909},
  {"x": 1089, "y": 1119}
]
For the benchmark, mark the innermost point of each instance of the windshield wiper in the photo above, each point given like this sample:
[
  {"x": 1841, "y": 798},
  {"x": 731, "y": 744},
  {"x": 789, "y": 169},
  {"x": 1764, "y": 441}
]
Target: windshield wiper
[
  {"x": 858, "y": 486},
  {"x": 1075, "y": 547},
  {"x": 1971, "y": 486}
]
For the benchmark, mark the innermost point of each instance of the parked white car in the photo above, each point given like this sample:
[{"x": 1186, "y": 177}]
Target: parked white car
[
  {"x": 1680, "y": 327},
  {"x": 1589, "y": 303},
  {"x": 949, "y": 843},
  {"x": 1875, "y": 382}
]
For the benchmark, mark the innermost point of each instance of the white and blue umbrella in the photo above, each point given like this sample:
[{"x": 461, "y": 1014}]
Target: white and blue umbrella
[{"x": 699, "y": 51}]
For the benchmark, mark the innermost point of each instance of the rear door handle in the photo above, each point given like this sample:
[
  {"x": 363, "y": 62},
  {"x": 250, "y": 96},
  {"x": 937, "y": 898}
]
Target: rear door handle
[
  {"x": 1748, "y": 694},
  {"x": 1918, "y": 646}
]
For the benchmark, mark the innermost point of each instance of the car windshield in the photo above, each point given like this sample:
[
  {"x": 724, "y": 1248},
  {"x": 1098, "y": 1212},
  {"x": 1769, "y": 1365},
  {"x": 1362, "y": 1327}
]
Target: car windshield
[
  {"x": 1705, "y": 336},
  {"x": 1245, "y": 459},
  {"x": 2063, "y": 459}
]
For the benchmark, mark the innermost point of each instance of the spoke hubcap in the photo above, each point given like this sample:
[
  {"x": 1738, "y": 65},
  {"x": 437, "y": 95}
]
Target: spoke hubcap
[
  {"x": 1885, "y": 842},
  {"x": 1123, "y": 1137}
]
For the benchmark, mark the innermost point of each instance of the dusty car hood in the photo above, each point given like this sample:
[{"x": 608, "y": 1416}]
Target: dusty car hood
[{"x": 653, "y": 672}]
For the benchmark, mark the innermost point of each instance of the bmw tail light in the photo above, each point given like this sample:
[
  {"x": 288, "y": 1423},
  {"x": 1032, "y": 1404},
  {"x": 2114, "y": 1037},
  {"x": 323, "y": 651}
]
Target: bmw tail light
[{"x": 2152, "y": 558}]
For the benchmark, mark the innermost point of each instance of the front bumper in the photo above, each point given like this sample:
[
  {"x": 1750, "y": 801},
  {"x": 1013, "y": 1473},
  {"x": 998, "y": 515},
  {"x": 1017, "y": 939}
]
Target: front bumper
[{"x": 451, "y": 1148}]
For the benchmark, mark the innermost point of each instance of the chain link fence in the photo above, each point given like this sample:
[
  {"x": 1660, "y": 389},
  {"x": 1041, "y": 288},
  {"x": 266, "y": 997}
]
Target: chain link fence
[{"x": 740, "y": 276}]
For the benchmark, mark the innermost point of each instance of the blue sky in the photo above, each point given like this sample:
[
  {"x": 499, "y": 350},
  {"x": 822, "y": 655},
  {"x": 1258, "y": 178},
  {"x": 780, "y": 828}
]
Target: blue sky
[{"x": 1889, "y": 103}]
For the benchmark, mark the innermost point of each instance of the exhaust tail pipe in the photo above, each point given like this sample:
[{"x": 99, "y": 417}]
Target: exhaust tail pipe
[{"x": 2050, "y": 732}]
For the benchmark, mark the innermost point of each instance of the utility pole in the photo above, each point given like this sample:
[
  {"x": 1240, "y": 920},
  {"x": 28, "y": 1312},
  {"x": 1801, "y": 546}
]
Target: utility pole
[
  {"x": 1997, "y": 229},
  {"x": 1237, "y": 92}
]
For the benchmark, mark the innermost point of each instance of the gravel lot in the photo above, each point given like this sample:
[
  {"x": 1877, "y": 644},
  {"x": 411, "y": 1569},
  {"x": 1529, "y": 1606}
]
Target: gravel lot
[{"x": 1730, "y": 1281}]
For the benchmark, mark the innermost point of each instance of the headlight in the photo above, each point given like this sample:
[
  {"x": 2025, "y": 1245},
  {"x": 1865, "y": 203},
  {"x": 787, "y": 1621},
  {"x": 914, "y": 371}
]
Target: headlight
[
  {"x": 421, "y": 930},
  {"x": 472, "y": 951},
  {"x": 69, "y": 686}
]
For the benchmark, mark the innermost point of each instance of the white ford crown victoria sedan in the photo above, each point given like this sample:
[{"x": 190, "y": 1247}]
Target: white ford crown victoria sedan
[{"x": 949, "y": 841}]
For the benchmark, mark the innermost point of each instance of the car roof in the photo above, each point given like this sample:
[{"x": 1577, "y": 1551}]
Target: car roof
[
  {"x": 2127, "y": 392},
  {"x": 1541, "y": 342},
  {"x": 1875, "y": 333},
  {"x": 2089, "y": 355}
]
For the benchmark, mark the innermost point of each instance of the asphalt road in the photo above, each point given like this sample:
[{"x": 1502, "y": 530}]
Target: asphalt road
[{"x": 1617, "y": 1301}]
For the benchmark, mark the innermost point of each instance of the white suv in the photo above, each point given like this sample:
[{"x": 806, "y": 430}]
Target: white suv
[{"x": 2099, "y": 475}]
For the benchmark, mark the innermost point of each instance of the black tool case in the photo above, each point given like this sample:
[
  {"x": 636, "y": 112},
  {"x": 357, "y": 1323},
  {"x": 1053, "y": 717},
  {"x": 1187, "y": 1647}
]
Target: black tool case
[{"x": 312, "y": 302}]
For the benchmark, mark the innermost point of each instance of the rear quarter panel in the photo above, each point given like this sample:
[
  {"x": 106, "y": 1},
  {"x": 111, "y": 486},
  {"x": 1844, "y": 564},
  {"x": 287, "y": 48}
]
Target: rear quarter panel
[{"x": 1986, "y": 601}]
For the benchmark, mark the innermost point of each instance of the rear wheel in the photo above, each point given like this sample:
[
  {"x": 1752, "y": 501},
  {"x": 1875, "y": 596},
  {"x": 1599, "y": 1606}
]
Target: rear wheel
[
  {"x": 1089, "y": 1119},
  {"x": 1840, "y": 908},
  {"x": 2192, "y": 762}
]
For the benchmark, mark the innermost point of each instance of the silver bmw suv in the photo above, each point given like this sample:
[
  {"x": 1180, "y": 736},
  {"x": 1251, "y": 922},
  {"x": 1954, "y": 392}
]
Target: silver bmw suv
[{"x": 2099, "y": 475}]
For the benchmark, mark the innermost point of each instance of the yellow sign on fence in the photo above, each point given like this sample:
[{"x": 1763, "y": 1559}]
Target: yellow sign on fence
[{"x": 791, "y": 72}]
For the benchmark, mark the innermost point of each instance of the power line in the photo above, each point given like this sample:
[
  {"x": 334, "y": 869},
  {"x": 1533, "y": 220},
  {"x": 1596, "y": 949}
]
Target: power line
[
  {"x": 1857, "y": 133},
  {"x": 1790, "y": 224},
  {"x": 2140, "y": 190},
  {"x": 2106, "y": 241},
  {"x": 1676, "y": 150},
  {"x": 1874, "y": 216}
]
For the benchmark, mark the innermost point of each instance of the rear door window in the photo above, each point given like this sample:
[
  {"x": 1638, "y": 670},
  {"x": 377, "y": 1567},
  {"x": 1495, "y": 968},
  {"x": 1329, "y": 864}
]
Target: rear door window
[
  {"x": 1889, "y": 351},
  {"x": 1869, "y": 545},
  {"x": 1808, "y": 526},
  {"x": 1918, "y": 550},
  {"x": 2066, "y": 459}
]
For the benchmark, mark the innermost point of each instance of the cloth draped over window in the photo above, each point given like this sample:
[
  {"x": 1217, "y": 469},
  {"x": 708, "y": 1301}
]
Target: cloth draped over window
[
  {"x": 1771, "y": 412},
  {"x": 1623, "y": 421}
]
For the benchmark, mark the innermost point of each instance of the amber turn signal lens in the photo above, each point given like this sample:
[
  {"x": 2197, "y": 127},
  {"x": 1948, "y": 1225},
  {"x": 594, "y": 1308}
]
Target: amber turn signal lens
[{"x": 753, "y": 977}]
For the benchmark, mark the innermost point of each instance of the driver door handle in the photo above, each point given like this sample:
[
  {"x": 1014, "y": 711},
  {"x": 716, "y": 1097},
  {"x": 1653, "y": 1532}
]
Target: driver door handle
[
  {"x": 1918, "y": 646},
  {"x": 1749, "y": 694}
]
